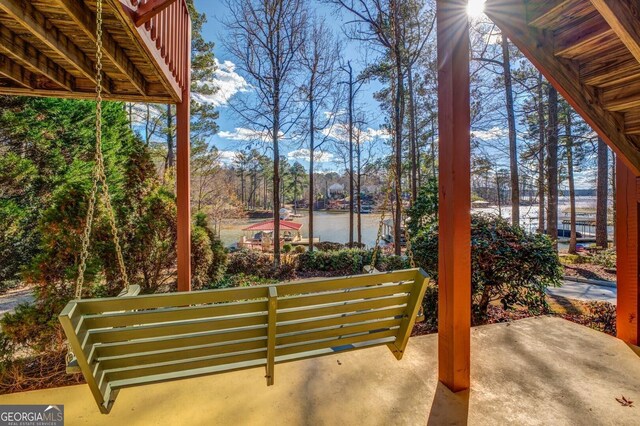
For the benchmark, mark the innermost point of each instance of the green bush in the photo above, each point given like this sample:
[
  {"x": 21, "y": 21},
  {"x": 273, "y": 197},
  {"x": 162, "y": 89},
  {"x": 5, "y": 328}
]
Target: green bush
[
  {"x": 239, "y": 280},
  {"x": 424, "y": 212},
  {"x": 606, "y": 258},
  {"x": 572, "y": 259},
  {"x": 287, "y": 248},
  {"x": 347, "y": 261},
  {"x": 208, "y": 257},
  {"x": 34, "y": 326},
  {"x": 300, "y": 249},
  {"x": 328, "y": 246},
  {"x": 430, "y": 307},
  {"x": 258, "y": 264},
  {"x": 507, "y": 264}
]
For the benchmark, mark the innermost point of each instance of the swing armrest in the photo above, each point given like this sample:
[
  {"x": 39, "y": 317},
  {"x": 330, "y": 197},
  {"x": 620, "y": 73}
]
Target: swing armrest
[{"x": 134, "y": 290}]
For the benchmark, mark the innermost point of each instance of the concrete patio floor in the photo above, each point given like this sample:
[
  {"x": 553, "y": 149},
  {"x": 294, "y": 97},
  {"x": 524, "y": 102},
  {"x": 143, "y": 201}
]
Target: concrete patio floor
[{"x": 536, "y": 371}]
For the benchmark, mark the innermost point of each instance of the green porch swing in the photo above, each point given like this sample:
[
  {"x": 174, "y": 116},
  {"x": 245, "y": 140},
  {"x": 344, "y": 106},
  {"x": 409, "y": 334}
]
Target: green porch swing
[{"x": 133, "y": 340}]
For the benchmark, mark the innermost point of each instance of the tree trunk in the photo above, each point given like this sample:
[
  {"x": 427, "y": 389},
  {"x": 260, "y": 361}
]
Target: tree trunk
[
  {"x": 613, "y": 195},
  {"x": 276, "y": 181},
  {"x": 513, "y": 148},
  {"x": 498, "y": 194},
  {"x": 573, "y": 240},
  {"x": 311, "y": 162},
  {"x": 413, "y": 136},
  {"x": 359, "y": 189},
  {"x": 399, "y": 118},
  {"x": 171, "y": 156},
  {"x": 264, "y": 198},
  {"x": 244, "y": 206},
  {"x": 147, "y": 130},
  {"x": 552, "y": 167},
  {"x": 602, "y": 237},
  {"x": 433, "y": 148},
  {"x": 541, "y": 156},
  {"x": 350, "y": 156}
]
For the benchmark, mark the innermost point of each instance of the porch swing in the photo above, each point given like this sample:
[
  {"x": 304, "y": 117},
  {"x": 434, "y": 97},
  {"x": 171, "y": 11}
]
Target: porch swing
[{"x": 133, "y": 340}]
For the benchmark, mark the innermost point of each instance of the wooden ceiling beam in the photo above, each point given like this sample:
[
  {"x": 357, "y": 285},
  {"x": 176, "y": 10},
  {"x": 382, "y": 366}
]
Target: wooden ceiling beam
[
  {"x": 543, "y": 13},
  {"x": 41, "y": 27},
  {"x": 632, "y": 122},
  {"x": 537, "y": 46},
  {"x": 622, "y": 16},
  {"x": 31, "y": 58},
  {"x": 582, "y": 37},
  {"x": 85, "y": 19},
  {"x": 622, "y": 97},
  {"x": 15, "y": 73},
  {"x": 88, "y": 94},
  {"x": 610, "y": 70}
]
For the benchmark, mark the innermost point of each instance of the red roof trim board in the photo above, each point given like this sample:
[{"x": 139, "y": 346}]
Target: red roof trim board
[{"x": 270, "y": 224}]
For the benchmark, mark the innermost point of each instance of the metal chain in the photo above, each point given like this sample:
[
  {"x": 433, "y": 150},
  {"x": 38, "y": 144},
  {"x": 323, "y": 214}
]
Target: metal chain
[{"x": 99, "y": 176}]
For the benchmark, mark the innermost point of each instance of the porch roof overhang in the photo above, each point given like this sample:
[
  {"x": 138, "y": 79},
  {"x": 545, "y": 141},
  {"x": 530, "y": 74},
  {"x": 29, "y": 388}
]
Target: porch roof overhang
[
  {"x": 590, "y": 51},
  {"x": 47, "y": 48}
]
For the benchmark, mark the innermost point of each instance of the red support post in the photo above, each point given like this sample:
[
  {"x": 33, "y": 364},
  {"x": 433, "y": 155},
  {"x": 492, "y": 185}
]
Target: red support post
[
  {"x": 183, "y": 172},
  {"x": 627, "y": 238},
  {"x": 454, "y": 253}
]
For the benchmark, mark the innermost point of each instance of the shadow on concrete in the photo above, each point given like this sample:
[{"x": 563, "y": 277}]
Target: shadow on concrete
[
  {"x": 635, "y": 349},
  {"x": 567, "y": 304},
  {"x": 449, "y": 408}
]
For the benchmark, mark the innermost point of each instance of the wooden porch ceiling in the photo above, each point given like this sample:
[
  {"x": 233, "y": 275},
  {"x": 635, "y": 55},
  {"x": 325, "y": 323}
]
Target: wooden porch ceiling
[
  {"x": 590, "y": 51},
  {"x": 47, "y": 48}
]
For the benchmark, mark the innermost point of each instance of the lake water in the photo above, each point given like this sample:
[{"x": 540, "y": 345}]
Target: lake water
[
  {"x": 328, "y": 226},
  {"x": 334, "y": 226}
]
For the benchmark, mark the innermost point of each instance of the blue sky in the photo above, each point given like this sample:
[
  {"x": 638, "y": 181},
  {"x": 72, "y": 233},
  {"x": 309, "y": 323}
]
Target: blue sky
[{"x": 230, "y": 139}]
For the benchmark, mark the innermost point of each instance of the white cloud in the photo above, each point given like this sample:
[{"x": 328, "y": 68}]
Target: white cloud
[
  {"x": 340, "y": 132},
  {"x": 228, "y": 83},
  {"x": 491, "y": 134},
  {"x": 227, "y": 157},
  {"x": 304, "y": 154},
  {"x": 247, "y": 135}
]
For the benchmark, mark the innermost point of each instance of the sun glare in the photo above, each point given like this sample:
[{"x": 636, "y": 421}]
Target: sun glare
[{"x": 475, "y": 8}]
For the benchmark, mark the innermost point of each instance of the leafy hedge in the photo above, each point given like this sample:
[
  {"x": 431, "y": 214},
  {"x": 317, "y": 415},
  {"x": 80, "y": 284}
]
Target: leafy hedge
[
  {"x": 255, "y": 263},
  {"x": 347, "y": 261},
  {"x": 208, "y": 256},
  {"x": 507, "y": 264}
]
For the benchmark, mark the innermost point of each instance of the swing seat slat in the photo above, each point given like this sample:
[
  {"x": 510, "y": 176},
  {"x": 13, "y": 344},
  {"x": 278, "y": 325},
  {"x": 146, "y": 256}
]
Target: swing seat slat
[{"x": 131, "y": 341}]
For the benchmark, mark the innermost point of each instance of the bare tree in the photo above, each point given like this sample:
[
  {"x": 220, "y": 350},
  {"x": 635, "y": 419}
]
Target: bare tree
[
  {"x": 552, "y": 167},
  {"x": 602, "y": 238},
  {"x": 353, "y": 86},
  {"x": 417, "y": 27},
  {"x": 379, "y": 23},
  {"x": 320, "y": 90},
  {"x": 573, "y": 238},
  {"x": 513, "y": 145},
  {"x": 205, "y": 172},
  {"x": 541, "y": 152},
  {"x": 266, "y": 38}
]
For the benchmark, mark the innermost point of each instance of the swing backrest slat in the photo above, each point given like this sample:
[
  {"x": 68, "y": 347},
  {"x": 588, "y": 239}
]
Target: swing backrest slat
[{"x": 130, "y": 341}]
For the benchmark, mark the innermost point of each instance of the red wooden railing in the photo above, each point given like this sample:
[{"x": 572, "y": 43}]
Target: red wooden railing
[{"x": 169, "y": 27}]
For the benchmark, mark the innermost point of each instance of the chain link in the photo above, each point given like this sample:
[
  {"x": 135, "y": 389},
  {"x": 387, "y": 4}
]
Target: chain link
[{"x": 99, "y": 176}]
